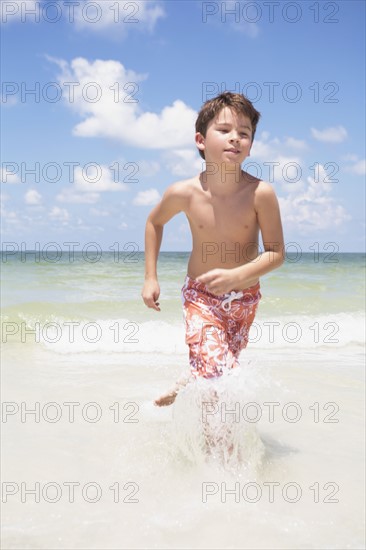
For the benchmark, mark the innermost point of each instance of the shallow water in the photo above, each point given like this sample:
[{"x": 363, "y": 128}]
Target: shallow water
[{"x": 148, "y": 477}]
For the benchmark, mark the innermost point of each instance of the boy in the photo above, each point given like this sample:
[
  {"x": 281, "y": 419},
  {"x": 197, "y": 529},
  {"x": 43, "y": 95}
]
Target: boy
[{"x": 225, "y": 207}]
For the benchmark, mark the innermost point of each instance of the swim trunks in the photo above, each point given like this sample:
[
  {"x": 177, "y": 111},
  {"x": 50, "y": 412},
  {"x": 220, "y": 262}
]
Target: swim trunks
[{"x": 217, "y": 327}]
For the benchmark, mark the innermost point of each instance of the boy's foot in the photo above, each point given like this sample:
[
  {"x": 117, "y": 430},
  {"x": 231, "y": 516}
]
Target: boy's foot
[{"x": 167, "y": 398}]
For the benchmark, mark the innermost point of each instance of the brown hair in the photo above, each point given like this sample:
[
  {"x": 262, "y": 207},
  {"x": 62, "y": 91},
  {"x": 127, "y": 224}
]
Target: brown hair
[{"x": 238, "y": 102}]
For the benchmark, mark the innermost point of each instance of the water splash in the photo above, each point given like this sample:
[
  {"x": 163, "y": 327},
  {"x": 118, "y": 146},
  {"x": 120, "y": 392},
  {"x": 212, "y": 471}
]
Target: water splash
[{"x": 208, "y": 426}]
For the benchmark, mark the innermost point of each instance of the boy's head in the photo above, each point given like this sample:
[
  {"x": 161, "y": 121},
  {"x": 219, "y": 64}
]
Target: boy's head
[{"x": 211, "y": 109}]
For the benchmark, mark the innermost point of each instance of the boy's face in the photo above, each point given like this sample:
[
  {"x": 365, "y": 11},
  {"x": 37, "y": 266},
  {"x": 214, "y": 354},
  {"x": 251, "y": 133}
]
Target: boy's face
[{"x": 228, "y": 138}]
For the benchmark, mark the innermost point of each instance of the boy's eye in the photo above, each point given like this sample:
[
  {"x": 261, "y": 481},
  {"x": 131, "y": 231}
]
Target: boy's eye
[{"x": 245, "y": 134}]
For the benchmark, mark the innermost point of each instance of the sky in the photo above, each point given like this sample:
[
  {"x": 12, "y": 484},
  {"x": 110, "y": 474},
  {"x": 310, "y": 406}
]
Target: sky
[{"x": 99, "y": 101}]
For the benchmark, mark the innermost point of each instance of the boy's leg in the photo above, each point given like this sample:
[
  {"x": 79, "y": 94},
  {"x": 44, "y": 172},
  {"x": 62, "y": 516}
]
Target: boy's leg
[
  {"x": 238, "y": 331},
  {"x": 208, "y": 336},
  {"x": 216, "y": 336},
  {"x": 208, "y": 350},
  {"x": 208, "y": 355},
  {"x": 205, "y": 330}
]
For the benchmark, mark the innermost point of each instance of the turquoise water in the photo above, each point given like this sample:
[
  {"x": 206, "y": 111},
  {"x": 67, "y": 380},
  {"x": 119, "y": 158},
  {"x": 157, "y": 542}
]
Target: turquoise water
[
  {"x": 107, "y": 287},
  {"x": 323, "y": 300}
]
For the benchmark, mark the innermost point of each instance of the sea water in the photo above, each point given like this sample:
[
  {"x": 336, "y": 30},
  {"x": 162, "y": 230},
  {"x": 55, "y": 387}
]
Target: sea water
[{"x": 269, "y": 456}]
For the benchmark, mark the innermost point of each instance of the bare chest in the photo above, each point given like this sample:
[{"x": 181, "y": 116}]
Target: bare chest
[{"x": 223, "y": 219}]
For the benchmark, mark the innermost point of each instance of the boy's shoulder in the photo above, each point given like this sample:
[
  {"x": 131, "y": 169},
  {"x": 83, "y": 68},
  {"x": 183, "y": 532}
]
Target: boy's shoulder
[
  {"x": 264, "y": 188},
  {"x": 261, "y": 189},
  {"x": 177, "y": 196},
  {"x": 182, "y": 188},
  {"x": 264, "y": 196},
  {"x": 257, "y": 184}
]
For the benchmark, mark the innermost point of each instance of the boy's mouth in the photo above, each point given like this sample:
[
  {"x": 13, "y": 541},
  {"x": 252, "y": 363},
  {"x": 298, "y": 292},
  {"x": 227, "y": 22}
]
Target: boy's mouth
[{"x": 236, "y": 151}]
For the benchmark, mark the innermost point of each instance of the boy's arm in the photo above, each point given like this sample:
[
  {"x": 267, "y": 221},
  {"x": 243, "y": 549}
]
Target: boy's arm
[
  {"x": 269, "y": 221},
  {"x": 174, "y": 200}
]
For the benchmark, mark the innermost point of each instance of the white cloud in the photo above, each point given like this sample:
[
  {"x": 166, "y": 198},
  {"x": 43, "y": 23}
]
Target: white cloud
[
  {"x": 359, "y": 168},
  {"x": 349, "y": 157},
  {"x": 248, "y": 28},
  {"x": 9, "y": 215},
  {"x": 307, "y": 204},
  {"x": 296, "y": 143},
  {"x": 265, "y": 149},
  {"x": 89, "y": 183},
  {"x": 312, "y": 208},
  {"x": 147, "y": 198},
  {"x": 117, "y": 113},
  {"x": 60, "y": 214},
  {"x": 120, "y": 16},
  {"x": 99, "y": 213},
  {"x": 264, "y": 135},
  {"x": 147, "y": 168},
  {"x": 70, "y": 195},
  {"x": 288, "y": 173},
  {"x": 7, "y": 100},
  {"x": 96, "y": 179},
  {"x": 279, "y": 162},
  {"x": 269, "y": 150},
  {"x": 184, "y": 229},
  {"x": 336, "y": 134},
  {"x": 184, "y": 162},
  {"x": 32, "y": 197},
  {"x": 8, "y": 176},
  {"x": 12, "y": 217},
  {"x": 20, "y": 219}
]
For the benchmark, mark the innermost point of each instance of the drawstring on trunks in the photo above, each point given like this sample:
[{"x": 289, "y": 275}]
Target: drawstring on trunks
[{"x": 226, "y": 304}]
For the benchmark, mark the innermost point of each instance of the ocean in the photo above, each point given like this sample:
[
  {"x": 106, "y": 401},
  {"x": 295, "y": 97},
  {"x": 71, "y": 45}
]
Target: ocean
[{"x": 89, "y": 462}]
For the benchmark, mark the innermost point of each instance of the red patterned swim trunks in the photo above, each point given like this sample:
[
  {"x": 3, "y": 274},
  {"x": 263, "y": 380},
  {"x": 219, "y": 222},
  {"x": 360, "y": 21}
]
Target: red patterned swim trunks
[{"x": 217, "y": 327}]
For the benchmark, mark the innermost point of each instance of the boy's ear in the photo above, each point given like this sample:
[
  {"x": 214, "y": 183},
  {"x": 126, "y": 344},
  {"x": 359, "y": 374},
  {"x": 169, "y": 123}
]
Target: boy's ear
[{"x": 200, "y": 141}]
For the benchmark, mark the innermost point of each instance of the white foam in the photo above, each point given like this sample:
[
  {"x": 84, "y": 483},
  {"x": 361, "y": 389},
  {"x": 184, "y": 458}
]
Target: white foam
[{"x": 168, "y": 338}]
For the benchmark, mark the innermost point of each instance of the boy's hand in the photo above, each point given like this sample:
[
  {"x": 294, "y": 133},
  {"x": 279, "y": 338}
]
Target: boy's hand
[
  {"x": 150, "y": 294},
  {"x": 218, "y": 281}
]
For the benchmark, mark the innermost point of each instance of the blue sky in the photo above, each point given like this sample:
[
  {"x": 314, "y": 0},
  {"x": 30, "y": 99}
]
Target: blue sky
[{"x": 111, "y": 123}]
